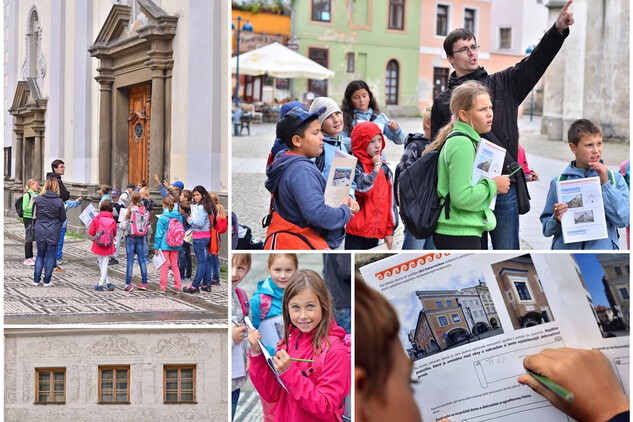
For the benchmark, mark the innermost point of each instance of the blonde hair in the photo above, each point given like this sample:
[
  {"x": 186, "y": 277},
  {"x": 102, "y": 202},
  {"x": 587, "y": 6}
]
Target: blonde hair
[
  {"x": 168, "y": 202},
  {"x": 216, "y": 200},
  {"x": 144, "y": 192},
  {"x": 426, "y": 114},
  {"x": 29, "y": 183},
  {"x": 135, "y": 199},
  {"x": 463, "y": 98},
  {"x": 241, "y": 259},
  {"x": 273, "y": 256},
  {"x": 52, "y": 185}
]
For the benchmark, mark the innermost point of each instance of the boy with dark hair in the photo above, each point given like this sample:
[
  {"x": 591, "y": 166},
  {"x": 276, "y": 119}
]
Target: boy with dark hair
[
  {"x": 299, "y": 217},
  {"x": 59, "y": 168},
  {"x": 585, "y": 142}
]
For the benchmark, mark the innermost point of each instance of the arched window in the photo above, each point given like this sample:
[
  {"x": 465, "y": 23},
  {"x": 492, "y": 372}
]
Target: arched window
[
  {"x": 391, "y": 82},
  {"x": 34, "y": 63}
]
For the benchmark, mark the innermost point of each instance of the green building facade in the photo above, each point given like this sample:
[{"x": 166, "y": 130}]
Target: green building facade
[{"x": 374, "y": 40}]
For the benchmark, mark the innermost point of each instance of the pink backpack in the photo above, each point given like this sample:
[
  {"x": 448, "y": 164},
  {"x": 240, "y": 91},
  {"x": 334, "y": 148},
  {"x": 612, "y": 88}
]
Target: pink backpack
[
  {"x": 140, "y": 221},
  {"x": 106, "y": 227},
  {"x": 175, "y": 236},
  {"x": 344, "y": 411}
]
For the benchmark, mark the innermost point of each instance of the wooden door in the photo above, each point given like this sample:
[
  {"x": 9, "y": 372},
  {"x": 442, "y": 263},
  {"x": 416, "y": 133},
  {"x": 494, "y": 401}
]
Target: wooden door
[{"x": 138, "y": 133}]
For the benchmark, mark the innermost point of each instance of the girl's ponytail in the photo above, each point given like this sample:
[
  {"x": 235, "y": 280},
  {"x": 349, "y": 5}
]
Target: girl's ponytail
[{"x": 440, "y": 138}]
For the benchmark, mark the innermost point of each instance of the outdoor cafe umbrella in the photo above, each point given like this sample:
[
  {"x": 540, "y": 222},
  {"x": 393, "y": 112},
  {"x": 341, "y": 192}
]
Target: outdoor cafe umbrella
[{"x": 279, "y": 62}]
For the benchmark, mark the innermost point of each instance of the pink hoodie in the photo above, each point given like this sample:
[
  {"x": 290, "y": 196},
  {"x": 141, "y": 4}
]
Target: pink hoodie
[{"x": 314, "y": 393}]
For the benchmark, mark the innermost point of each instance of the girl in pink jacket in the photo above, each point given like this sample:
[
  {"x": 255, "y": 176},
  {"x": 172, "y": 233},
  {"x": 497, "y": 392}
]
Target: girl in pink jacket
[
  {"x": 103, "y": 228},
  {"x": 313, "y": 361}
]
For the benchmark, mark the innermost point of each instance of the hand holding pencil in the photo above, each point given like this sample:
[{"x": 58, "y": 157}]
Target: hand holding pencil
[{"x": 586, "y": 374}]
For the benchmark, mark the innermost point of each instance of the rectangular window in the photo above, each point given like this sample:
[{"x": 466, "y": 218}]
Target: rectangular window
[
  {"x": 505, "y": 38},
  {"x": 440, "y": 80},
  {"x": 545, "y": 315},
  {"x": 321, "y": 10},
  {"x": 50, "y": 386},
  {"x": 7, "y": 162},
  {"x": 441, "y": 24},
  {"x": 426, "y": 328},
  {"x": 114, "y": 384},
  {"x": 179, "y": 384},
  {"x": 618, "y": 270},
  {"x": 456, "y": 318},
  {"x": 449, "y": 303},
  {"x": 469, "y": 19},
  {"x": 439, "y": 304},
  {"x": 396, "y": 14},
  {"x": 350, "y": 62},
  {"x": 624, "y": 293},
  {"x": 442, "y": 320},
  {"x": 319, "y": 55},
  {"x": 522, "y": 290}
]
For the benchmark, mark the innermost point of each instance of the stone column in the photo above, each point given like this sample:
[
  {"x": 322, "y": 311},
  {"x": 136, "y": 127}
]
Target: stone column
[
  {"x": 19, "y": 156},
  {"x": 168, "y": 99},
  {"x": 105, "y": 80},
  {"x": 37, "y": 157},
  {"x": 553, "y": 86},
  {"x": 157, "y": 125}
]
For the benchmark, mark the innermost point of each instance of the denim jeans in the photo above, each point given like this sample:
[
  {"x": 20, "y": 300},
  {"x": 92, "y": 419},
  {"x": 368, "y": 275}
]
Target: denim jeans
[
  {"x": 117, "y": 244},
  {"x": 215, "y": 267},
  {"x": 45, "y": 259},
  {"x": 235, "y": 397},
  {"x": 146, "y": 247},
  {"x": 60, "y": 245},
  {"x": 184, "y": 261},
  {"x": 506, "y": 234},
  {"x": 343, "y": 317},
  {"x": 134, "y": 245},
  {"x": 411, "y": 243},
  {"x": 203, "y": 260}
]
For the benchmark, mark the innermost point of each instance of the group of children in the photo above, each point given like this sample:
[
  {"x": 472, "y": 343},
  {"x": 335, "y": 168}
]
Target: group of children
[
  {"x": 311, "y": 353},
  {"x": 304, "y": 149}
]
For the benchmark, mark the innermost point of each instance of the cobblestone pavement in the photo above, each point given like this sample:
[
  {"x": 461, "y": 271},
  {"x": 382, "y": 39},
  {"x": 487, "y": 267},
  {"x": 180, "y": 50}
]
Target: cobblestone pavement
[
  {"x": 549, "y": 158},
  {"x": 72, "y": 298}
]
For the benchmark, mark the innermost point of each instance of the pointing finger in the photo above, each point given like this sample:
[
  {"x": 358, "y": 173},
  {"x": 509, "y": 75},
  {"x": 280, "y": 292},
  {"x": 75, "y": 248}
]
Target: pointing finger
[{"x": 567, "y": 6}]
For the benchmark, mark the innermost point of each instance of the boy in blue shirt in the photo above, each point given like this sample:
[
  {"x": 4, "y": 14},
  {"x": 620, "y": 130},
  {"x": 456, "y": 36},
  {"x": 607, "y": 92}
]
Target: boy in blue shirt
[{"x": 585, "y": 142}]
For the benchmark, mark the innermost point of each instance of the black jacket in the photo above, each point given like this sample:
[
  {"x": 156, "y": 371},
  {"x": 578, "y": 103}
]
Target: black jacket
[
  {"x": 63, "y": 192},
  {"x": 508, "y": 88},
  {"x": 49, "y": 214}
]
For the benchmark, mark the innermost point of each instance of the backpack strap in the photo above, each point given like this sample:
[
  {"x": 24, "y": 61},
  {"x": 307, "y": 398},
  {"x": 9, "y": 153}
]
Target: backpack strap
[
  {"x": 265, "y": 303},
  {"x": 243, "y": 298}
]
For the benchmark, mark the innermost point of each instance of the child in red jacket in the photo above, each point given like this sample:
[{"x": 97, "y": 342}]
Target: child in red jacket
[
  {"x": 374, "y": 221},
  {"x": 103, "y": 228},
  {"x": 312, "y": 360}
]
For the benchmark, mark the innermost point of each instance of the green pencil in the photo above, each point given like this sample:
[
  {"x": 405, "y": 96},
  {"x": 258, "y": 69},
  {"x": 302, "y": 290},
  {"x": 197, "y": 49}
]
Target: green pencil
[
  {"x": 302, "y": 360},
  {"x": 552, "y": 386}
]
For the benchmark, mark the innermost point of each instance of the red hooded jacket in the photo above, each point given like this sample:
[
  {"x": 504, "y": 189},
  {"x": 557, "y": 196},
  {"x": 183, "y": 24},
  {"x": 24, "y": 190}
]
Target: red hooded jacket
[
  {"x": 313, "y": 394},
  {"x": 98, "y": 249},
  {"x": 374, "y": 220}
]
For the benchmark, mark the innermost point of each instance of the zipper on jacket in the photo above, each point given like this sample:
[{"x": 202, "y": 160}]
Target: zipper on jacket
[{"x": 297, "y": 342}]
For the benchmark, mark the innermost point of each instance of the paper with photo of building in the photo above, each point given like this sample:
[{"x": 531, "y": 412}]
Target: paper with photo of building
[
  {"x": 584, "y": 219},
  {"x": 488, "y": 163},
  {"x": 340, "y": 178},
  {"x": 539, "y": 302}
]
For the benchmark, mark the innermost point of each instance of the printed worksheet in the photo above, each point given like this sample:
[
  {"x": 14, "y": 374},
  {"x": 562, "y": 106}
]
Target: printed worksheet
[
  {"x": 468, "y": 321},
  {"x": 584, "y": 218},
  {"x": 488, "y": 163},
  {"x": 340, "y": 178}
]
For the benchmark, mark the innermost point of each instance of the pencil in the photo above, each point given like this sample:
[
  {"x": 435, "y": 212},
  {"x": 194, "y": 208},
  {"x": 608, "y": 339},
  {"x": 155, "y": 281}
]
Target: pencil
[
  {"x": 552, "y": 386},
  {"x": 302, "y": 360}
]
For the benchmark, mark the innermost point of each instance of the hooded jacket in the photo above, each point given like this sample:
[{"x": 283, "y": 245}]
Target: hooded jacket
[
  {"x": 373, "y": 189},
  {"x": 298, "y": 187},
  {"x": 63, "y": 192},
  {"x": 469, "y": 213},
  {"x": 398, "y": 137},
  {"x": 616, "y": 210},
  {"x": 160, "y": 239},
  {"x": 266, "y": 287},
  {"x": 317, "y": 396},
  {"x": 98, "y": 249},
  {"x": 50, "y": 214},
  {"x": 508, "y": 88}
]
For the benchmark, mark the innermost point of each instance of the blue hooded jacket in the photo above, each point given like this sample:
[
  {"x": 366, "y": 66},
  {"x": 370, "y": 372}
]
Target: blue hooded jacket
[
  {"x": 160, "y": 239},
  {"x": 616, "y": 209},
  {"x": 298, "y": 187},
  {"x": 269, "y": 288}
]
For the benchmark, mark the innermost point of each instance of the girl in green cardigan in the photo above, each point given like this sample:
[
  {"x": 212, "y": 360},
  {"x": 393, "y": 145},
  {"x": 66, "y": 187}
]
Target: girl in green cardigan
[
  {"x": 469, "y": 215},
  {"x": 31, "y": 191}
]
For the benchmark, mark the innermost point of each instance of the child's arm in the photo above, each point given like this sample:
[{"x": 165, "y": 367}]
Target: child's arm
[
  {"x": 73, "y": 204},
  {"x": 394, "y": 132},
  {"x": 365, "y": 181},
  {"x": 93, "y": 226},
  {"x": 616, "y": 201},
  {"x": 551, "y": 226},
  {"x": 160, "y": 232},
  {"x": 322, "y": 397},
  {"x": 261, "y": 375}
]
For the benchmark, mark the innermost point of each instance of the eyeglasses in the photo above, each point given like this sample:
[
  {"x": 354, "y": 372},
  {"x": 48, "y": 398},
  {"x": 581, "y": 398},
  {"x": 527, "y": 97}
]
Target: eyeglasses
[{"x": 473, "y": 48}]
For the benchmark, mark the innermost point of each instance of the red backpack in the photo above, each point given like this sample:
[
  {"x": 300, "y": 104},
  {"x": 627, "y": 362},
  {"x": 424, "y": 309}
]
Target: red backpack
[
  {"x": 106, "y": 229},
  {"x": 175, "y": 236},
  {"x": 140, "y": 221}
]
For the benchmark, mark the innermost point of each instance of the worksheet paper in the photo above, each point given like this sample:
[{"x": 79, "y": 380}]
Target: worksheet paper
[
  {"x": 488, "y": 163},
  {"x": 477, "y": 316},
  {"x": 584, "y": 219},
  {"x": 340, "y": 179},
  {"x": 238, "y": 369}
]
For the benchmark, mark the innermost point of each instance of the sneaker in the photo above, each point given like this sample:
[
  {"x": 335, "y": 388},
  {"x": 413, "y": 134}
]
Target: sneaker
[
  {"x": 146, "y": 259},
  {"x": 29, "y": 261},
  {"x": 99, "y": 288},
  {"x": 141, "y": 286},
  {"x": 36, "y": 283},
  {"x": 206, "y": 288},
  {"x": 113, "y": 261},
  {"x": 110, "y": 286},
  {"x": 49, "y": 284},
  {"x": 128, "y": 287},
  {"x": 59, "y": 269},
  {"x": 191, "y": 289},
  {"x": 162, "y": 291},
  {"x": 215, "y": 282},
  {"x": 61, "y": 262}
]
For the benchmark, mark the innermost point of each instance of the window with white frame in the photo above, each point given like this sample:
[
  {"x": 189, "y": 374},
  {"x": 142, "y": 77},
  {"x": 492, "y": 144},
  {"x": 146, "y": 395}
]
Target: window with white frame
[
  {"x": 442, "y": 321},
  {"x": 396, "y": 14},
  {"x": 469, "y": 19},
  {"x": 441, "y": 20},
  {"x": 505, "y": 38}
]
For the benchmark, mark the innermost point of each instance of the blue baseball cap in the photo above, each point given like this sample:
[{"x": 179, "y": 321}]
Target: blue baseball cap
[
  {"x": 178, "y": 184},
  {"x": 288, "y": 125}
]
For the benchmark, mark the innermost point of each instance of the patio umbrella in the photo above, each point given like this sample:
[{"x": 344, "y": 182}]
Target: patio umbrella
[{"x": 280, "y": 62}]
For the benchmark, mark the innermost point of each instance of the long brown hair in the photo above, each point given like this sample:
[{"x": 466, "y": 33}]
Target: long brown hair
[
  {"x": 309, "y": 280},
  {"x": 348, "y": 109},
  {"x": 135, "y": 199},
  {"x": 463, "y": 98},
  {"x": 216, "y": 201},
  {"x": 52, "y": 185}
]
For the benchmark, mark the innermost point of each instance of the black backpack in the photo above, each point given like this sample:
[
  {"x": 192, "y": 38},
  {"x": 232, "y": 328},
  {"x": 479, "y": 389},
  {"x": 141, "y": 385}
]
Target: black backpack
[
  {"x": 420, "y": 205},
  {"x": 18, "y": 205},
  {"x": 414, "y": 145}
]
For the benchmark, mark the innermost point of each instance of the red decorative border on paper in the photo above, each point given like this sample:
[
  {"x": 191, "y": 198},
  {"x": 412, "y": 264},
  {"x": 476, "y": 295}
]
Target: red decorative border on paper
[{"x": 406, "y": 266}]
